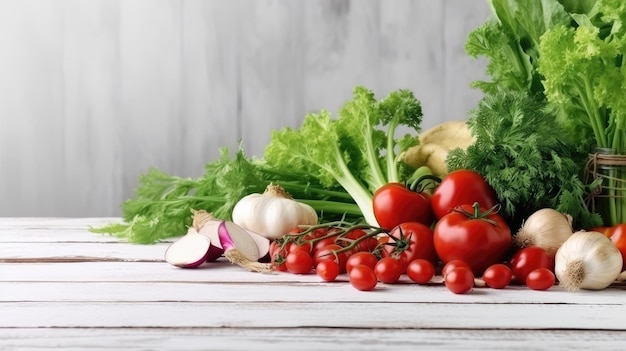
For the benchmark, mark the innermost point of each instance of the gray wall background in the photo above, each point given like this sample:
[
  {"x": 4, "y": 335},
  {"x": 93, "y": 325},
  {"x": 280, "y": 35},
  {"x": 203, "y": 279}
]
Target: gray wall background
[{"x": 94, "y": 93}]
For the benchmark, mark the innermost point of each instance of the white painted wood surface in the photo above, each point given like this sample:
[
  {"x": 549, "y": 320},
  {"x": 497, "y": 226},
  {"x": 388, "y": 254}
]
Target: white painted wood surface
[
  {"x": 94, "y": 93},
  {"x": 64, "y": 288}
]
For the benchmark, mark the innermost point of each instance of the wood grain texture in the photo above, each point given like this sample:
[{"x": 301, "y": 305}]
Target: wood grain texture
[
  {"x": 132, "y": 304},
  {"x": 94, "y": 93}
]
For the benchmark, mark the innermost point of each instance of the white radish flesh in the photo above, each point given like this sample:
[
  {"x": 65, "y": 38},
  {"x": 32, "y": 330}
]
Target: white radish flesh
[
  {"x": 210, "y": 230},
  {"x": 240, "y": 248},
  {"x": 190, "y": 251},
  {"x": 262, "y": 243}
]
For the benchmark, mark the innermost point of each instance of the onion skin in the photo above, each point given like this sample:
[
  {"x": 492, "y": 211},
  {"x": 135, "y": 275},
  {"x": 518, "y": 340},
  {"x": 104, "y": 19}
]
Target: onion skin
[{"x": 546, "y": 228}]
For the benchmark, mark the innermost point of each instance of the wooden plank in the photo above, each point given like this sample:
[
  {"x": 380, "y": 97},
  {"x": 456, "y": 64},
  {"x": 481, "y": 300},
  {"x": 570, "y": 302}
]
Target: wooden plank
[
  {"x": 271, "y": 50},
  {"x": 304, "y": 291},
  {"x": 210, "y": 83},
  {"x": 53, "y": 223},
  {"x": 289, "y": 339},
  {"x": 55, "y": 236},
  {"x": 459, "y": 69},
  {"x": 311, "y": 315},
  {"x": 14, "y": 252}
]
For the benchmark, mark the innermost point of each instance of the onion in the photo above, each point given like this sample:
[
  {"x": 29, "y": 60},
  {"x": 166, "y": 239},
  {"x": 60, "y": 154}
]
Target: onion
[
  {"x": 546, "y": 228},
  {"x": 587, "y": 260},
  {"x": 190, "y": 251}
]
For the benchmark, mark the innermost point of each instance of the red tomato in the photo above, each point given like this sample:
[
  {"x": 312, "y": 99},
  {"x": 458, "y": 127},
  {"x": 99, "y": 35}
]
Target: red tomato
[
  {"x": 527, "y": 260},
  {"x": 363, "y": 257},
  {"x": 411, "y": 240},
  {"x": 277, "y": 257},
  {"x": 617, "y": 234},
  {"x": 306, "y": 247},
  {"x": 395, "y": 203},
  {"x": 420, "y": 271},
  {"x": 459, "y": 280},
  {"x": 497, "y": 276},
  {"x": 329, "y": 252},
  {"x": 476, "y": 236},
  {"x": 327, "y": 270},
  {"x": 388, "y": 270},
  {"x": 540, "y": 279},
  {"x": 449, "y": 266},
  {"x": 299, "y": 262},
  {"x": 323, "y": 243},
  {"x": 462, "y": 187},
  {"x": 363, "y": 278}
]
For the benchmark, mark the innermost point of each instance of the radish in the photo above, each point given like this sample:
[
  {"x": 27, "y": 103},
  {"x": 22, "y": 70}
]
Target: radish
[
  {"x": 190, "y": 251},
  {"x": 240, "y": 248}
]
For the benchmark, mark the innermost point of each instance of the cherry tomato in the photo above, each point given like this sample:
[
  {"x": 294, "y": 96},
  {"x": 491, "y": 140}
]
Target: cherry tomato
[
  {"x": 299, "y": 262},
  {"x": 411, "y": 240},
  {"x": 306, "y": 247},
  {"x": 395, "y": 203},
  {"x": 452, "y": 265},
  {"x": 277, "y": 257},
  {"x": 462, "y": 187},
  {"x": 329, "y": 252},
  {"x": 540, "y": 279},
  {"x": 477, "y": 236},
  {"x": 388, "y": 270},
  {"x": 323, "y": 243},
  {"x": 363, "y": 278},
  {"x": 420, "y": 271},
  {"x": 363, "y": 257},
  {"x": 528, "y": 259},
  {"x": 497, "y": 276},
  {"x": 327, "y": 270},
  {"x": 617, "y": 234},
  {"x": 459, "y": 280}
]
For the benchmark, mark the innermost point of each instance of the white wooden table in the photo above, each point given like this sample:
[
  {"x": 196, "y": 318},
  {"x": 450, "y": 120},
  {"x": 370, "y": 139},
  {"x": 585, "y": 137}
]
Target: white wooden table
[{"x": 64, "y": 288}]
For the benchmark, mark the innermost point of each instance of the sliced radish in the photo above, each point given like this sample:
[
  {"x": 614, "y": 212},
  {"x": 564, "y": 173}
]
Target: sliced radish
[
  {"x": 262, "y": 243},
  {"x": 190, "y": 251},
  {"x": 240, "y": 248},
  {"x": 210, "y": 230}
]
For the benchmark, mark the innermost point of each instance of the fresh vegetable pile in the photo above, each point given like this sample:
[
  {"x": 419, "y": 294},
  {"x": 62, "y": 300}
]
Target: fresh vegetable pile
[{"x": 492, "y": 201}]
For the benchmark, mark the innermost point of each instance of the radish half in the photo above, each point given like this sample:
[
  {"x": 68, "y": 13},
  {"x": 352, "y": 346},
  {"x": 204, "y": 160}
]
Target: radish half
[
  {"x": 209, "y": 228},
  {"x": 240, "y": 248},
  {"x": 190, "y": 251}
]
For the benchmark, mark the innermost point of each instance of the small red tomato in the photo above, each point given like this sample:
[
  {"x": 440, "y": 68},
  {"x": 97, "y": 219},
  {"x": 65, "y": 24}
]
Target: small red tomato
[
  {"x": 528, "y": 259},
  {"x": 388, "y": 270},
  {"x": 452, "y": 265},
  {"x": 410, "y": 241},
  {"x": 327, "y": 270},
  {"x": 299, "y": 262},
  {"x": 497, "y": 276},
  {"x": 395, "y": 203},
  {"x": 363, "y": 278},
  {"x": 540, "y": 279},
  {"x": 329, "y": 252},
  {"x": 459, "y": 280},
  {"x": 362, "y": 257},
  {"x": 420, "y": 271}
]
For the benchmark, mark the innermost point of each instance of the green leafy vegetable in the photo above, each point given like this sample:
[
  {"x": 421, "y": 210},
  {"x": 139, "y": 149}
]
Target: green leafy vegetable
[
  {"x": 162, "y": 205},
  {"x": 520, "y": 153},
  {"x": 358, "y": 149}
]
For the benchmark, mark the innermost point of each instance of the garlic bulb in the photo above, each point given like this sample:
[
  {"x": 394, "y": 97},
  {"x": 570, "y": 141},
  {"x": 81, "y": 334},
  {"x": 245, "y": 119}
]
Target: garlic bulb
[
  {"x": 273, "y": 213},
  {"x": 587, "y": 260},
  {"x": 546, "y": 228}
]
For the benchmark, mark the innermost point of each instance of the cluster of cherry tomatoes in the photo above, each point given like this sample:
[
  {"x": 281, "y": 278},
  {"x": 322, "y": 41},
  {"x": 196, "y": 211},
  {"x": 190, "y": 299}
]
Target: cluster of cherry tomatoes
[{"x": 457, "y": 228}]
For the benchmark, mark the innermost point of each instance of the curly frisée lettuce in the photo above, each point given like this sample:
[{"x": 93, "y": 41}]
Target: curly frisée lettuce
[{"x": 357, "y": 150}]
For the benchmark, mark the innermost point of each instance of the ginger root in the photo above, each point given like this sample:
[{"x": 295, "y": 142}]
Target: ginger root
[{"x": 435, "y": 144}]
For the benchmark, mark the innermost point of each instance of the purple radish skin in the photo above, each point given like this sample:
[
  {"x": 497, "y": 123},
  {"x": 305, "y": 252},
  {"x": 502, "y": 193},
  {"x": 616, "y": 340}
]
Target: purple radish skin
[
  {"x": 240, "y": 248},
  {"x": 190, "y": 251}
]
